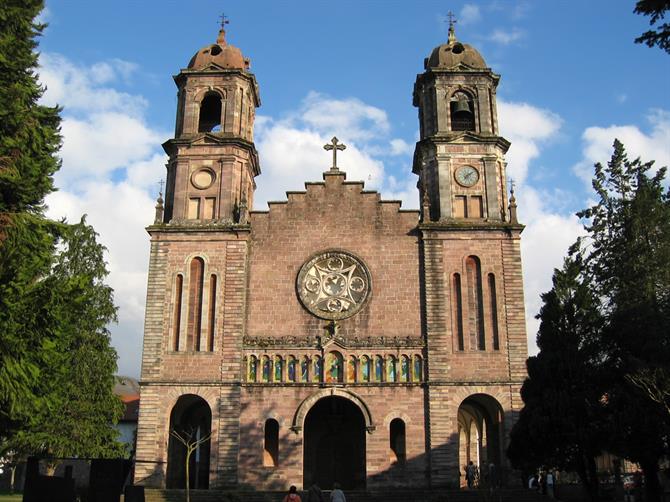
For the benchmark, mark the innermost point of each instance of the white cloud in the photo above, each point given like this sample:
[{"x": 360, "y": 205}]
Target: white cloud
[
  {"x": 598, "y": 142},
  {"x": 506, "y": 37},
  {"x": 79, "y": 88},
  {"x": 527, "y": 127},
  {"x": 469, "y": 14},
  {"x": 544, "y": 244},
  {"x": 291, "y": 149},
  {"x": 112, "y": 162}
]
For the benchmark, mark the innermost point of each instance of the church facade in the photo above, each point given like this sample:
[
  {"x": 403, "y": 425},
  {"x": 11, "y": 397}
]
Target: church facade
[{"x": 335, "y": 337}]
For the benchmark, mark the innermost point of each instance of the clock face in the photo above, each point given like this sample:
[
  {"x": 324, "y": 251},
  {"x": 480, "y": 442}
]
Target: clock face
[{"x": 467, "y": 176}]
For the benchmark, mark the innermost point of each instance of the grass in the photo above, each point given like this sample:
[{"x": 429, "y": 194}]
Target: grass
[{"x": 17, "y": 497}]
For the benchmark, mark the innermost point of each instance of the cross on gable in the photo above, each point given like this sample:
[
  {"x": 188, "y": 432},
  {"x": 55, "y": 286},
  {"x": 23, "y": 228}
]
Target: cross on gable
[{"x": 334, "y": 145}]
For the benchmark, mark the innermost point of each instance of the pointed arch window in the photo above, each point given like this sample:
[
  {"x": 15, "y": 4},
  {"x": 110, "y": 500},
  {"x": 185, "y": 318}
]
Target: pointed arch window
[{"x": 473, "y": 269}]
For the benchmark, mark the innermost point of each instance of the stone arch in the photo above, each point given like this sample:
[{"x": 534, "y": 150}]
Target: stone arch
[{"x": 306, "y": 405}]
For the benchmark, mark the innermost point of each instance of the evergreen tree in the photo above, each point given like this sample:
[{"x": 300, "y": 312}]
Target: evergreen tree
[
  {"x": 563, "y": 423},
  {"x": 56, "y": 362},
  {"x": 660, "y": 35},
  {"x": 629, "y": 251},
  {"x": 29, "y": 142}
]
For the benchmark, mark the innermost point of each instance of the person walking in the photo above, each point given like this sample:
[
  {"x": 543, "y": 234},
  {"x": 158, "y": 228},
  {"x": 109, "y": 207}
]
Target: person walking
[
  {"x": 549, "y": 480},
  {"x": 470, "y": 474},
  {"x": 315, "y": 494},
  {"x": 292, "y": 495},
  {"x": 337, "y": 495}
]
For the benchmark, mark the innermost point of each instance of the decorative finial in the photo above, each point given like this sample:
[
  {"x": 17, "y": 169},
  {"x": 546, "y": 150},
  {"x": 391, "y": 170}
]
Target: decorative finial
[
  {"x": 452, "y": 32},
  {"x": 334, "y": 145},
  {"x": 221, "y": 39},
  {"x": 512, "y": 203},
  {"x": 158, "y": 218}
]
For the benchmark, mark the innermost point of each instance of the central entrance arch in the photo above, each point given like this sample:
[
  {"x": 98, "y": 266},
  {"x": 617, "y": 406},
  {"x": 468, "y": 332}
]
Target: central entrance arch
[{"x": 334, "y": 448}]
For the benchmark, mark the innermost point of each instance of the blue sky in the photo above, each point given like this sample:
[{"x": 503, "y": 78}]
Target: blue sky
[{"x": 572, "y": 80}]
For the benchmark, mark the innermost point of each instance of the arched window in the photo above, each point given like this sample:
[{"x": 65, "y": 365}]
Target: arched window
[
  {"x": 267, "y": 368},
  {"x": 318, "y": 369},
  {"x": 271, "y": 444},
  {"x": 473, "y": 270},
  {"x": 253, "y": 369},
  {"x": 279, "y": 369},
  {"x": 457, "y": 310},
  {"x": 195, "y": 303},
  {"x": 334, "y": 367},
  {"x": 210, "y": 113},
  {"x": 397, "y": 441},
  {"x": 292, "y": 363},
  {"x": 379, "y": 369},
  {"x": 211, "y": 318},
  {"x": 365, "y": 368},
  {"x": 351, "y": 369},
  {"x": 404, "y": 369},
  {"x": 176, "y": 316},
  {"x": 494, "y": 311},
  {"x": 391, "y": 368},
  {"x": 304, "y": 369},
  {"x": 417, "y": 373},
  {"x": 462, "y": 112}
]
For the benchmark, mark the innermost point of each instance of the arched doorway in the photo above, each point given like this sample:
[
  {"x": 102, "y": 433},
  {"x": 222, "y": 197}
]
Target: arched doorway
[
  {"x": 190, "y": 417},
  {"x": 480, "y": 430},
  {"x": 334, "y": 448}
]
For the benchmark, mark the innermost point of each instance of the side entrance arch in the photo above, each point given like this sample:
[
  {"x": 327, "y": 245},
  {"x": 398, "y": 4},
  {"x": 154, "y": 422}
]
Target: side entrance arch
[
  {"x": 190, "y": 416},
  {"x": 334, "y": 444}
]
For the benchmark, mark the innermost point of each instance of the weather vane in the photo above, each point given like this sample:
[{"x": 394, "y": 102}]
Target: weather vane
[{"x": 452, "y": 19}]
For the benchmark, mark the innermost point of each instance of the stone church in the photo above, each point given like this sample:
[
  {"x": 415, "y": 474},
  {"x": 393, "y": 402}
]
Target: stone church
[{"x": 334, "y": 337}]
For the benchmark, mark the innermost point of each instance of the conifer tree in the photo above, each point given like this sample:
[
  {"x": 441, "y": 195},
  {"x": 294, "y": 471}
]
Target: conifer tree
[
  {"x": 29, "y": 142},
  {"x": 563, "y": 421},
  {"x": 56, "y": 362}
]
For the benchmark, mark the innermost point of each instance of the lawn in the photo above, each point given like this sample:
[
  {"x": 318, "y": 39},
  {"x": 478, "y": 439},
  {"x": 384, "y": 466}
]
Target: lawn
[{"x": 17, "y": 497}]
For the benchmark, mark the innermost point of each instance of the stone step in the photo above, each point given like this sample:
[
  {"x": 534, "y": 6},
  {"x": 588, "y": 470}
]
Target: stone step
[{"x": 503, "y": 495}]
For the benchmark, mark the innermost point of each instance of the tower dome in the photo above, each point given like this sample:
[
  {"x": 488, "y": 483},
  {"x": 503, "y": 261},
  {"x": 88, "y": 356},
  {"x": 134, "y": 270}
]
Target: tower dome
[
  {"x": 453, "y": 54},
  {"x": 221, "y": 54}
]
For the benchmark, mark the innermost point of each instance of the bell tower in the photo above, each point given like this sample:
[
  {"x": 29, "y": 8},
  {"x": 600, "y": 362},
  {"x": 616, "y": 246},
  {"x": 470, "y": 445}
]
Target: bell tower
[
  {"x": 212, "y": 158},
  {"x": 459, "y": 158}
]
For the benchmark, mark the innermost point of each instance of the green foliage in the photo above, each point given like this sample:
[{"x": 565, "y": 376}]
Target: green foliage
[
  {"x": 29, "y": 141},
  {"x": 661, "y": 35},
  {"x": 78, "y": 385},
  {"x": 56, "y": 362},
  {"x": 562, "y": 423}
]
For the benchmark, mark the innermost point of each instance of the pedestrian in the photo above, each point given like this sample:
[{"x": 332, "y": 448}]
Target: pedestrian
[
  {"x": 292, "y": 495},
  {"x": 549, "y": 481},
  {"x": 470, "y": 473},
  {"x": 493, "y": 475},
  {"x": 337, "y": 495},
  {"x": 315, "y": 494}
]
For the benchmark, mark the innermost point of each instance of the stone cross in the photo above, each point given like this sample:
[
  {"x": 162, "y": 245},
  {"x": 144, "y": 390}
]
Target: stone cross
[
  {"x": 452, "y": 18},
  {"x": 334, "y": 145},
  {"x": 224, "y": 21},
  {"x": 160, "y": 191}
]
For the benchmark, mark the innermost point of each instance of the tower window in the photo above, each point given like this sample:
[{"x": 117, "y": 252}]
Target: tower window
[
  {"x": 210, "y": 113},
  {"x": 461, "y": 112},
  {"x": 397, "y": 441}
]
